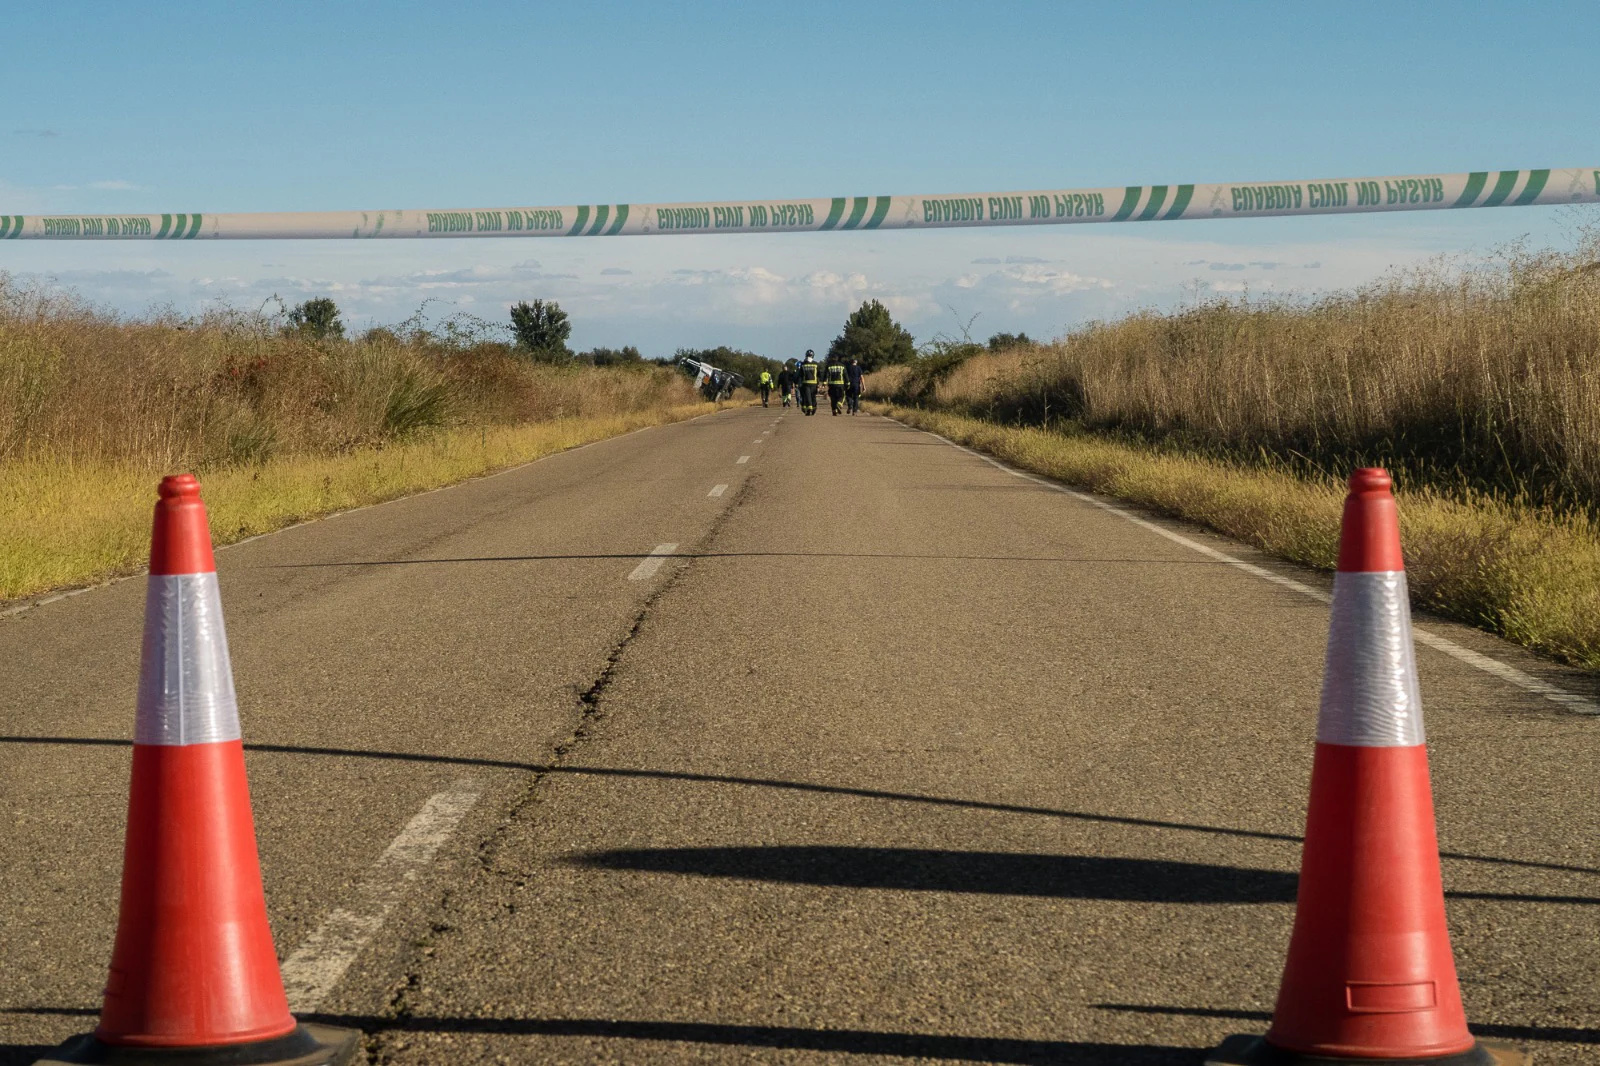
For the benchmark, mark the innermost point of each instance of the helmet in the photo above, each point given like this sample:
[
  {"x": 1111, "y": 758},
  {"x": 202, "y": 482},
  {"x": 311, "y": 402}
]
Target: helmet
[{"x": 810, "y": 354}]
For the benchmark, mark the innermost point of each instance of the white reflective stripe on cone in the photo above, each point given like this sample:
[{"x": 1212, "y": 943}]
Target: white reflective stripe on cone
[
  {"x": 185, "y": 682},
  {"x": 1369, "y": 685}
]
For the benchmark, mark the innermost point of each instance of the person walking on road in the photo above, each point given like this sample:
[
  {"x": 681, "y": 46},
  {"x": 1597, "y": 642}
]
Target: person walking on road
[
  {"x": 786, "y": 384},
  {"x": 836, "y": 383},
  {"x": 852, "y": 386},
  {"x": 808, "y": 383},
  {"x": 766, "y": 387}
]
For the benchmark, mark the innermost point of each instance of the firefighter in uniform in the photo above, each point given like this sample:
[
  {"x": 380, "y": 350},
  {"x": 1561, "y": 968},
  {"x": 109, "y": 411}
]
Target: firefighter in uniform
[
  {"x": 836, "y": 380},
  {"x": 808, "y": 383}
]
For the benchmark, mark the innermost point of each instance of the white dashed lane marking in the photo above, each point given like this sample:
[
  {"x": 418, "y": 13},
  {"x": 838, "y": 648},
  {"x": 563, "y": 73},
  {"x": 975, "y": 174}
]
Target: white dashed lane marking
[
  {"x": 741, "y": 459},
  {"x": 317, "y": 964},
  {"x": 657, "y": 556},
  {"x": 717, "y": 490}
]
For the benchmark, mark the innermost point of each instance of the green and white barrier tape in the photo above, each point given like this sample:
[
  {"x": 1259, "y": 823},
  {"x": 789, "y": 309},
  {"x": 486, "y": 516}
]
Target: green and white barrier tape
[{"x": 1134, "y": 203}]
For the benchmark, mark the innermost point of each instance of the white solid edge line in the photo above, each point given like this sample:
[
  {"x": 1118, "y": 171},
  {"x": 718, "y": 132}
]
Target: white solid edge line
[
  {"x": 741, "y": 459},
  {"x": 658, "y": 555},
  {"x": 1477, "y": 660},
  {"x": 317, "y": 965},
  {"x": 717, "y": 490},
  {"x": 23, "y": 608}
]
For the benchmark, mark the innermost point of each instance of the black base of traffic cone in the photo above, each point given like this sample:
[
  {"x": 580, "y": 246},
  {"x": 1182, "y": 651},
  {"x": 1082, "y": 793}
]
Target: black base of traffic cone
[
  {"x": 307, "y": 1045},
  {"x": 1244, "y": 1050}
]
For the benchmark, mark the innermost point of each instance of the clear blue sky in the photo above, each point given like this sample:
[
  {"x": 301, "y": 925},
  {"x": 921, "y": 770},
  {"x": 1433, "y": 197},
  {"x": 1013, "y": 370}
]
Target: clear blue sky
[{"x": 300, "y": 106}]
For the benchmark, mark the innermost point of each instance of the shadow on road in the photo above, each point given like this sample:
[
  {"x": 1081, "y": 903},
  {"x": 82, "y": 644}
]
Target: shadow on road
[
  {"x": 810, "y": 787},
  {"x": 847, "y": 1041},
  {"x": 865, "y": 1042},
  {"x": 1552, "y": 1033},
  {"x": 910, "y": 557},
  {"x": 988, "y": 872}
]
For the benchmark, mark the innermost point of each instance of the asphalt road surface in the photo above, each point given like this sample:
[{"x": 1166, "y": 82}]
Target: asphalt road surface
[{"x": 780, "y": 739}]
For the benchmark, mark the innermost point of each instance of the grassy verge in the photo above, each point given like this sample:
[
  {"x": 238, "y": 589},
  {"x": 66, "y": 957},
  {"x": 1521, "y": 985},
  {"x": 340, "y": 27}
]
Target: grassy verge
[
  {"x": 72, "y": 524},
  {"x": 1530, "y": 574}
]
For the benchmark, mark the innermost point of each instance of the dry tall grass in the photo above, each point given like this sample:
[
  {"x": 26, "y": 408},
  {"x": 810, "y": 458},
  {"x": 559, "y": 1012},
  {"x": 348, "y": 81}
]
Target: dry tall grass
[
  {"x": 94, "y": 408},
  {"x": 78, "y": 386},
  {"x": 1474, "y": 380},
  {"x": 1479, "y": 388}
]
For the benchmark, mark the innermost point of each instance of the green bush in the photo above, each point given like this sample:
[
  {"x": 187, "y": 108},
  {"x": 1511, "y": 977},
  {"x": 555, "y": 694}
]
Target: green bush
[
  {"x": 317, "y": 319},
  {"x": 873, "y": 336},
  {"x": 542, "y": 329}
]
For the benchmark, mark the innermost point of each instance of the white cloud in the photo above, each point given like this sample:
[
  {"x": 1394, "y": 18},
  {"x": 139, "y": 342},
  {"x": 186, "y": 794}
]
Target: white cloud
[
  {"x": 766, "y": 293},
  {"x": 114, "y": 185}
]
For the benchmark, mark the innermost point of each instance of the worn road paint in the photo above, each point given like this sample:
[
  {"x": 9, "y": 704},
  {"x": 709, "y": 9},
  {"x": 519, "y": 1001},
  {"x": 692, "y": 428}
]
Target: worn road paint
[
  {"x": 317, "y": 965},
  {"x": 653, "y": 563},
  {"x": 717, "y": 490},
  {"x": 741, "y": 459}
]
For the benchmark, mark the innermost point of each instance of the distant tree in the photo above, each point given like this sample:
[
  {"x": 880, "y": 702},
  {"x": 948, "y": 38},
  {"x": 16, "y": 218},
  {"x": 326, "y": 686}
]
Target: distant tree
[
  {"x": 873, "y": 336},
  {"x": 542, "y": 329},
  {"x": 1001, "y": 341},
  {"x": 381, "y": 335},
  {"x": 612, "y": 356},
  {"x": 317, "y": 318}
]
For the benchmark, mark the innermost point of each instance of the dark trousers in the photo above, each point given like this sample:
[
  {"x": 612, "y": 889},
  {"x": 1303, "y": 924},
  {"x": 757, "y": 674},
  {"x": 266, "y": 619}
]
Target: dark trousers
[
  {"x": 808, "y": 399},
  {"x": 766, "y": 390},
  {"x": 835, "y": 396}
]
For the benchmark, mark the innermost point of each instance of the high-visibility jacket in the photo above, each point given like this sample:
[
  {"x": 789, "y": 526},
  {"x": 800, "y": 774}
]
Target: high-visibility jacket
[
  {"x": 808, "y": 373},
  {"x": 766, "y": 378},
  {"x": 835, "y": 374}
]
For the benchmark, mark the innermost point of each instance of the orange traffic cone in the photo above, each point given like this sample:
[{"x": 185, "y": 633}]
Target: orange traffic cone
[
  {"x": 1370, "y": 973},
  {"x": 194, "y": 977}
]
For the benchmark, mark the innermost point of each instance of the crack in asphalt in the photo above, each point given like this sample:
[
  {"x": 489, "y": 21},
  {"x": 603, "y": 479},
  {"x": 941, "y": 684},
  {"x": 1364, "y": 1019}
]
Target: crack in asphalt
[{"x": 591, "y": 714}]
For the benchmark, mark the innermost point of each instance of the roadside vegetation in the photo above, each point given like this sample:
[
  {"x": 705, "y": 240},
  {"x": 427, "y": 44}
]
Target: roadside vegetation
[
  {"x": 282, "y": 416},
  {"x": 1477, "y": 386}
]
